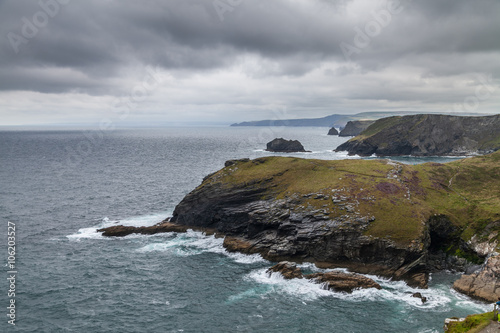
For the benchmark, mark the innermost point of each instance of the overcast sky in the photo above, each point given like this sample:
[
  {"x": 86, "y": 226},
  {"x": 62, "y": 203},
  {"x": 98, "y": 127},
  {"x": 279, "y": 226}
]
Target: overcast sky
[{"x": 225, "y": 61}]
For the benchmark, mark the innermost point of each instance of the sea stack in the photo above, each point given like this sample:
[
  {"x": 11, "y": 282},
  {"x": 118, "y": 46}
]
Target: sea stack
[
  {"x": 333, "y": 131},
  {"x": 280, "y": 145}
]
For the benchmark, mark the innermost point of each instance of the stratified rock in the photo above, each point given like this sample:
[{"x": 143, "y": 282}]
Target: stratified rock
[
  {"x": 483, "y": 285},
  {"x": 281, "y": 145},
  {"x": 355, "y": 127},
  {"x": 427, "y": 135},
  {"x": 333, "y": 131},
  {"x": 346, "y": 282},
  {"x": 288, "y": 269}
]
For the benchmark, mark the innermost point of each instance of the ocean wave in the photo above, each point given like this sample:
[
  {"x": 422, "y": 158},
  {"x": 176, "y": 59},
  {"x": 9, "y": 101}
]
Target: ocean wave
[
  {"x": 440, "y": 298},
  {"x": 195, "y": 242}
]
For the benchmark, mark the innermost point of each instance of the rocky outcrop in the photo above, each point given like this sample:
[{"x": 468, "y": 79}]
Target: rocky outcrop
[
  {"x": 427, "y": 135},
  {"x": 281, "y": 145},
  {"x": 333, "y": 131},
  {"x": 483, "y": 285},
  {"x": 165, "y": 226},
  {"x": 325, "y": 227},
  {"x": 346, "y": 282},
  {"x": 287, "y": 269},
  {"x": 377, "y": 216},
  {"x": 355, "y": 127},
  {"x": 337, "y": 281}
]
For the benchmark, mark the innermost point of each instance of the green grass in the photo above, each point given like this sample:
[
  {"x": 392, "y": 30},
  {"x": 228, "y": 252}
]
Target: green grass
[{"x": 471, "y": 324}]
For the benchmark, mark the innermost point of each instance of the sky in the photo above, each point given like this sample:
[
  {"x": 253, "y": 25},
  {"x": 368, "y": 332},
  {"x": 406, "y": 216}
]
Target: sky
[{"x": 222, "y": 61}]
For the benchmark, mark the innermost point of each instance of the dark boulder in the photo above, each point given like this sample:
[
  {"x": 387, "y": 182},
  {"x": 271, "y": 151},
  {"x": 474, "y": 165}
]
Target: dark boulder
[{"x": 285, "y": 146}]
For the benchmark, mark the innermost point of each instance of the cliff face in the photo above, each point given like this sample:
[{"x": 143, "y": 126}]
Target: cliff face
[
  {"x": 427, "y": 135},
  {"x": 375, "y": 217},
  {"x": 353, "y": 128}
]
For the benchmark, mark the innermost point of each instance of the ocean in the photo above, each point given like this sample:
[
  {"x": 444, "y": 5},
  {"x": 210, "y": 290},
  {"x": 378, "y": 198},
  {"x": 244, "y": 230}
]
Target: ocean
[{"x": 59, "y": 186}]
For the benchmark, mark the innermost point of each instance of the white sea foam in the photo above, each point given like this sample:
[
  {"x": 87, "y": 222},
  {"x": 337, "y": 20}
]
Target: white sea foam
[
  {"x": 194, "y": 242},
  {"x": 438, "y": 298},
  {"x": 136, "y": 221}
]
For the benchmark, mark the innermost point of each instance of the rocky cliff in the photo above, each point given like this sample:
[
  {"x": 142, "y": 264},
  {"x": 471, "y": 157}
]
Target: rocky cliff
[
  {"x": 353, "y": 128},
  {"x": 376, "y": 217},
  {"x": 427, "y": 135}
]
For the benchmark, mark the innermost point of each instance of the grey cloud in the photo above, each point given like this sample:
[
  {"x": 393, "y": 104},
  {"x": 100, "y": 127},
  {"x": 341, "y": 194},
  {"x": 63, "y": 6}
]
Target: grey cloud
[{"x": 95, "y": 46}]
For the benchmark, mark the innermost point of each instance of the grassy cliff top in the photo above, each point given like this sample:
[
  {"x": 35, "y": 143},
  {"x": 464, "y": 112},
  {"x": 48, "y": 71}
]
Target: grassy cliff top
[{"x": 398, "y": 198}]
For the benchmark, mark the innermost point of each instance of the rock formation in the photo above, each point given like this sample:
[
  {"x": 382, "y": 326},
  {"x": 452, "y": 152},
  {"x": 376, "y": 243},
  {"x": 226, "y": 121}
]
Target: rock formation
[
  {"x": 338, "y": 281},
  {"x": 285, "y": 146},
  {"x": 346, "y": 282},
  {"x": 333, "y": 131},
  {"x": 355, "y": 127},
  {"x": 287, "y": 269},
  {"x": 427, "y": 135},
  {"x": 121, "y": 231},
  {"x": 484, "y": 284}
]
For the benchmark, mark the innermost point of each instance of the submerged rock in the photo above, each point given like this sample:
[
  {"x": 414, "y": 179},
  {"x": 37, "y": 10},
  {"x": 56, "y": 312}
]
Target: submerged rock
[{"x": 281, "y": 145}]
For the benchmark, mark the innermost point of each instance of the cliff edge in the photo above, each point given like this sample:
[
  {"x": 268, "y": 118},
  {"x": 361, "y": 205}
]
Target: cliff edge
[{"x": 427, "y": 135}]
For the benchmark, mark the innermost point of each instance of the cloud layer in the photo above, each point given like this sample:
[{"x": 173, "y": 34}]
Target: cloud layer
[{"x": 232, "y": 60}]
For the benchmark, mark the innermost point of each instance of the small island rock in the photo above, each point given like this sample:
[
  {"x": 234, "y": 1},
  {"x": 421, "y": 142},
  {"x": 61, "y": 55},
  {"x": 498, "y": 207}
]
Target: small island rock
[
  {"x": 281, "y": 145},
  {"x": 333, "y": 131}
]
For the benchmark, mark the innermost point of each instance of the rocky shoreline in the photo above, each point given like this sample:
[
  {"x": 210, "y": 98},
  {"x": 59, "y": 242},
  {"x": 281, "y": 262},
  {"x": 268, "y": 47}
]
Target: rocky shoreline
[{"x": 372, "y": 217}]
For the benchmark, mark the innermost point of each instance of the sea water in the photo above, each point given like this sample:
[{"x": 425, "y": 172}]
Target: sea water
[{"x": 59, "y": 186}]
